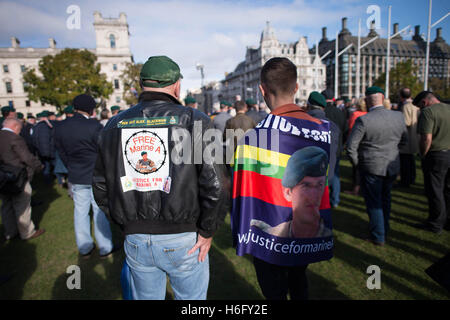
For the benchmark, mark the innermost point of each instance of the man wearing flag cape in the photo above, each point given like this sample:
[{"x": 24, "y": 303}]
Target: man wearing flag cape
[{"x": 281, "y": 212}]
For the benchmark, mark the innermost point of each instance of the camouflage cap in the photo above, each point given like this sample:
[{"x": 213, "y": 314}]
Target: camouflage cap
[
  {"x": 159, "y": 72},
  {"x": 306, "y": 162}
]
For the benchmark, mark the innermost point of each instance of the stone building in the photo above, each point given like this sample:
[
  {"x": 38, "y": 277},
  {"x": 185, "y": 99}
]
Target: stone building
[
  {"x": 245, "y": 79},
  {"x": 373, "y": 57},
  {"x": 112, "y": 51}
]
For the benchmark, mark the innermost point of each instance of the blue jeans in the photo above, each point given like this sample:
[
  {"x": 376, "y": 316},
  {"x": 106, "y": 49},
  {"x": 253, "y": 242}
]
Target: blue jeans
[
  {"x": 151, "y": 257},
  {"x": 335, "y": 186},
  {"x": 377, "y": 195},
  {"x": 83, "y": 198}
]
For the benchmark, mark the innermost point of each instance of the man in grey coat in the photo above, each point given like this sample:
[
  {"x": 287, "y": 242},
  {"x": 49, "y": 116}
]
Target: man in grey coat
[{"x": 374, "y": 146}]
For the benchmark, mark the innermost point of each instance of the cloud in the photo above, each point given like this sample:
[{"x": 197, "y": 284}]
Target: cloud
[{"x": 213, "y": 33}]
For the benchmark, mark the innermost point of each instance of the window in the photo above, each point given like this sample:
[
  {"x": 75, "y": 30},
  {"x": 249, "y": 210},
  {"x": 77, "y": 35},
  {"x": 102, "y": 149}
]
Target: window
[
  {"x": 112, "y": 41},
  {"x": 115, "y": 67},
  {"x": 5, "y": 68},
  {"x": 25, "y": 86},
  {"x": 8, "y": 87},
  {"x": 116, "y": 84},
  {"x": 117, "y": 99},
  {"x": 27, "y": 103},
  {"x": 23, "y": 68},
  {"x": 11, "y": 103}
]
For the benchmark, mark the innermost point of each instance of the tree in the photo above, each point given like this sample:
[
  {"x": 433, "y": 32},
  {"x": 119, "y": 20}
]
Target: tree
[
  {"x": 66, "y": 75},
  {"x": 130, "y": 78},
  {"x": 440, "y": 87},
  {"x": 401, "y": 76}
]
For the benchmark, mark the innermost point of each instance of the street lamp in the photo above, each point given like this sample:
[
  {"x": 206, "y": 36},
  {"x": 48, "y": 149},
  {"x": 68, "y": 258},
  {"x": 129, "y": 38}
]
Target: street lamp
[
  {"x": 200, "y": 67},
  {"x": 427, "y": 59}
]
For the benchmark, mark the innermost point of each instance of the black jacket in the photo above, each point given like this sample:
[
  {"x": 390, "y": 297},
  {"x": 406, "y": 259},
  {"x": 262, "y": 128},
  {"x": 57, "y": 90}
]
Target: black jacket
[
  {"x": 338, "y": 117},
  {"x": 197, "y": 198},
  {"x": 42, "y": 139},
  {"x": 76, "y": 142}
]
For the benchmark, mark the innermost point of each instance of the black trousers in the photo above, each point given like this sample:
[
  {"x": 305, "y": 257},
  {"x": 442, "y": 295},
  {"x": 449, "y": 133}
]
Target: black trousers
[
  {"x": 436, "y": 174},
  {"x": 276, "y": 281},
  {"x": 407, "y": 169}
]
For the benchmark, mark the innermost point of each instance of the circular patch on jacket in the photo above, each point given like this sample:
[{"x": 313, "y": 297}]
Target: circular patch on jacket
[{"x": 145, "y": 152}]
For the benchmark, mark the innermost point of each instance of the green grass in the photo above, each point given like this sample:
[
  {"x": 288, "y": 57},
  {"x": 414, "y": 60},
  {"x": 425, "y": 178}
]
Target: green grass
[{"x": 39, "y": 265}]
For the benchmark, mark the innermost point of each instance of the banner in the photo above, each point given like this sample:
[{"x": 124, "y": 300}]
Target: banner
[{"x": 281, "y": 211}]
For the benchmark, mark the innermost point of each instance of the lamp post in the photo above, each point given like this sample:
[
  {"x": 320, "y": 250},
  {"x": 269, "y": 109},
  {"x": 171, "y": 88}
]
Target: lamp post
[
  {"x": 200, "y": 67},
  {"x": 388, "y": 54},
  {"x": 427, "y": 58}
]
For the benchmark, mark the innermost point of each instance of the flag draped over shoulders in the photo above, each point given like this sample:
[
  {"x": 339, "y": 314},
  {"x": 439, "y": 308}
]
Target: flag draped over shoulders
[{"x": 259, "y": 204}]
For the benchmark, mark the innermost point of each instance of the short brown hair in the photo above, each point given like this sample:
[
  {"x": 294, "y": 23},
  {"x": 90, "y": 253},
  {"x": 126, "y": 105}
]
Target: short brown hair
[
  {"x": 279, "y": 76},
  {"x": 240, "y": 105}
]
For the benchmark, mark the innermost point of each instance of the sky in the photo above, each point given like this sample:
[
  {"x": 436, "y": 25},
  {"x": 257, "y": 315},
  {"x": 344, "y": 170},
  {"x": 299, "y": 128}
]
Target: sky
[{"x": 214, "y": 33}]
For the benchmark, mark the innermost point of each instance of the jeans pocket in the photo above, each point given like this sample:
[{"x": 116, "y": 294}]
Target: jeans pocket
[
  {"x": 179, "y": 258},
  {"x": 131, "y": 249}
]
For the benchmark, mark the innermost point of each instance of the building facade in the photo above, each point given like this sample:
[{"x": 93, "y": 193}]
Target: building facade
[
  {"x": 112, "y": 51},
  {"x": 373, "y": 58},
  {"x": 245, "y": 79}
]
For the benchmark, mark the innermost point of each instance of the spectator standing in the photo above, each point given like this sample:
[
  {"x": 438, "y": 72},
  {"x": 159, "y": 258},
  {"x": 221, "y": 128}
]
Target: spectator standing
[
  {"x": 337, "y": 116},
  {"x": 168, "y": 226},
  {"x": 222, "y": 117},
  {"x": 16, "y": 209},
  {"x": 360, "y": 111},
  {"x": 43, "y": 143},
  {"x": 374, "y": 145},
  {"x": 253, "y": 112},
  {"x": 78, "y": 153},
  {"x": 409, "y": 151},
  {"x": 434, "y": 144}
]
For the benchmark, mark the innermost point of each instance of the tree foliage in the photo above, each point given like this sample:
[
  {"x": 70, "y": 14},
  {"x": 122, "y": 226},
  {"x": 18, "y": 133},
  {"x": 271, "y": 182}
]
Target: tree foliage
[
  {"x": 64, "y": 76},
  {"x": 401, "y": 76},
  {"x": 130, "y": 80},
  {"x": 440, "y": 87}
]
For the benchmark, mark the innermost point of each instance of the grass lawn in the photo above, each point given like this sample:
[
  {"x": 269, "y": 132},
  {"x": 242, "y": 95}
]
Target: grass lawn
[{"x": 39, "y": 265}]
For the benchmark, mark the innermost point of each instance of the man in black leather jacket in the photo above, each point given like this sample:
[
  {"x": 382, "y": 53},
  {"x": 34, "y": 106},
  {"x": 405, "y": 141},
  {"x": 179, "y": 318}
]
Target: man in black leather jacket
[{"x": 170, "y": 214}]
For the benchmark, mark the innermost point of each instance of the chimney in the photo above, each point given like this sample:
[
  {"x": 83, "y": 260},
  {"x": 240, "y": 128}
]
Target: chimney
[
  {"x": 344, "y": 23},
  {"x": 123, "y": 17},
  {"x": 439, "y": 36},
  {"x": 395, "y": 28},
  {"x": 417, "y": 31},
  {"x": 324, "y": 34},
  {"x": 51, "y": 43},
  {"x": 15, "y": 43},
  {"x": 372, "y": 32}
]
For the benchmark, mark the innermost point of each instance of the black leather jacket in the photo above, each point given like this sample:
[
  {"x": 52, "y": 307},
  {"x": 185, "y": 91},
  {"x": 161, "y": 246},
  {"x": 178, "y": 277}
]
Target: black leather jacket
[{"x": 197, "y": 200}]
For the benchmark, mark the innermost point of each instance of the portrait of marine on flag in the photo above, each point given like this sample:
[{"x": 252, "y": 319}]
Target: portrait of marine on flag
[{"x": 281, "y": 211}]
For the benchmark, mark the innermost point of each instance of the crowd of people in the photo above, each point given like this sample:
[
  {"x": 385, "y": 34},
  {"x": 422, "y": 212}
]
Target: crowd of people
[{"x": 174, "y": 215}]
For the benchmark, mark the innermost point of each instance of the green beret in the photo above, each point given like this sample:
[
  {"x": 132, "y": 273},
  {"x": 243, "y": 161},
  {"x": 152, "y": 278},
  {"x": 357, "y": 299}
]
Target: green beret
[
  {"x": 45, "y": 113},
  {"x": 317, "y": 99},
  {"x": 19, "y": 115},
  {"x": 161, "y": 69},
  {"x": 143, "y": 152},
  {"x": 8, "y": 108},
  {"x": 250, "y": 101},
  {"x": 68, "y": 109},
  {"x": 373, "y": 90},
  {"x": 114, "y": 108},
  {"x": 189, "y": 100},
  {"x": 51, "y": 113},
  {"x": 39, "y": 115},
  {"x": 306, "y": 162}
]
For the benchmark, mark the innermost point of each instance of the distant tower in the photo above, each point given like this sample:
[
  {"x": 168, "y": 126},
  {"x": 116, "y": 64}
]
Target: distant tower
[
  {"x": 113, "y": 52},
  {"x": 111, "y": 35}
]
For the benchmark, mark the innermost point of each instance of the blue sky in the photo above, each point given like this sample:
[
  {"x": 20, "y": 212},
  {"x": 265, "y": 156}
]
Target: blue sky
[{"x": 214, "y": 33}]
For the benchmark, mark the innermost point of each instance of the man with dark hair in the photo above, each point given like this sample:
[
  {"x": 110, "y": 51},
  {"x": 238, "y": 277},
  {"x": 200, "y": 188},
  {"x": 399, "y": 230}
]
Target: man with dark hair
[
  {"x": 338, "y": 117},
  {"x": 278, "y": 87},
  {"x": 253, "y": 112},
  {"x": 409, "y": 150},
  {"x": 434, "y": 144},
  {"x": 222, "y": 117},
  {"x": 43, "y": 143},
  {"x": 373, "y": 145},
  {"x": 78, "y": 153},
  {"x": 239, "y": 124}
]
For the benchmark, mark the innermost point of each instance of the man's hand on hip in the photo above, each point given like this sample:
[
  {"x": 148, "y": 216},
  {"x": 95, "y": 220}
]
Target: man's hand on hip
[{"x": 204, "y": 244}]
